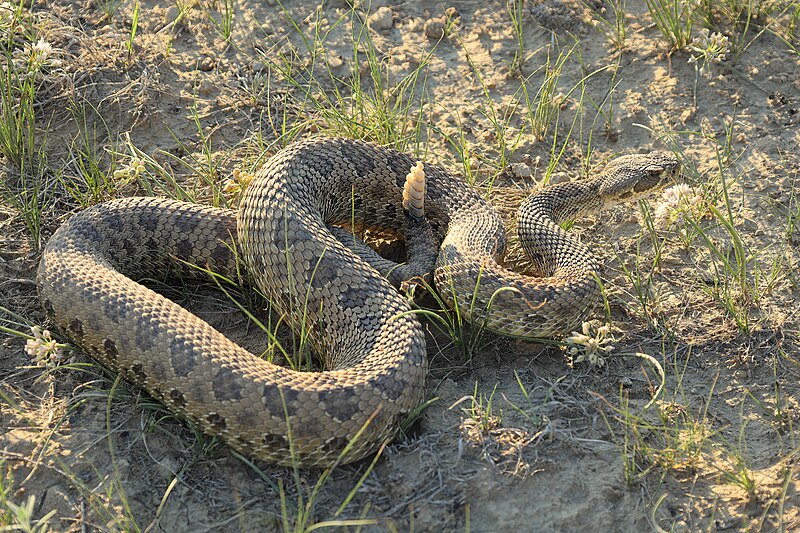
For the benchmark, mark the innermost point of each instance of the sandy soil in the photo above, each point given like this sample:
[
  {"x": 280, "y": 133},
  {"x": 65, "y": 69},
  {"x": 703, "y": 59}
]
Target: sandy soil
[{"x": 564, "y": 446}]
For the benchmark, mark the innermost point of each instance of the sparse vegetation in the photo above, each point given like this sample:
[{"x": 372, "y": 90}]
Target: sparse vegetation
[{"x": 691, "y": 423}]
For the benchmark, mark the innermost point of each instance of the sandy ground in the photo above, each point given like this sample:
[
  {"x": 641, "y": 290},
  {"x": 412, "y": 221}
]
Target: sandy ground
[{"x": 563, "y": 447}]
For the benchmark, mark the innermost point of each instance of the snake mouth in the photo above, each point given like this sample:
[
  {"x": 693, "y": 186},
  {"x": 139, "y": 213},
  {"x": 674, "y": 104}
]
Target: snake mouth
[
  {"x": 636, "y": 176},
  {"x": 656, "y": 178}
]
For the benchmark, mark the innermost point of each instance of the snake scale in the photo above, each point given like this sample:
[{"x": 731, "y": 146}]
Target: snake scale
[{"x": 287, "y": 229}]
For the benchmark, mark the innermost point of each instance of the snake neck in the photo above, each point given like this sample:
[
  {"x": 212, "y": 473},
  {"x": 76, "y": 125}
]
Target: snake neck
[{"x": 553, "y": 250}]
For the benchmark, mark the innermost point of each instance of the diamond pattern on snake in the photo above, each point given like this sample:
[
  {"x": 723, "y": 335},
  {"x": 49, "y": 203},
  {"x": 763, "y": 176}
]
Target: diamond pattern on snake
[{"x": 288, "y": 230}]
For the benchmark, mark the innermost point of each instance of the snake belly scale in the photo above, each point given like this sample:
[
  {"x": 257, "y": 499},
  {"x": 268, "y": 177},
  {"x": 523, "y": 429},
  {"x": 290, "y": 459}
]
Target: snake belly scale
[{"x": 372, "y": 348}]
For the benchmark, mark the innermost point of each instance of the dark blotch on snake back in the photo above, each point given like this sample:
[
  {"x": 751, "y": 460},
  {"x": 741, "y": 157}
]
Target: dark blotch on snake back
[
  {"x": 75, "y": 327},
  {"x": 391, "y": 383},
  {"x": 366, "y": 164},
  {"x": 216, "y": 421},
  {"x": 138, "y": 372},
  {"x": 335, "y": 444},
  {"x": 323, "y": 269},
  {"x": 145, "y": 335},
  {"x": 222, "y": 254},
  {"x": 115, "y": 310},
  {"x": 199, "y": 390},
  {"x": 88, "y": 232},
  {"x": 182, "y": 357},
  {"x": 177, "y": 397},
  {"x": 148, "y": 221},
  {"x": 159, "y": 369},
  {"x": 273, "y": 442},
  {"x": 351, "y": 297},
  {"x": 226, "y": 386},
  {"x": 128, "y": 245},
  {"x": 345, "y": 407},
  {"x": 188, "y": 222},
  {"x": 275, "y": 397},
  {"x": 277, "y": 234},
  {"x": 183, "y": 250},
  {"x": 416, "y": 358},
  {"x": 246, "y": 417},
  {"x": 110, "y": 348},
  {"x": 115, "y": 222},
  {"x": 324, "y": 165},
  {"x": 152, "y": 246}
]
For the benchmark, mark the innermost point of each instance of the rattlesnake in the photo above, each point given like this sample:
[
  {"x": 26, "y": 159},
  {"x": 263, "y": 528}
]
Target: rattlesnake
[{"x": 372, "y": 347}]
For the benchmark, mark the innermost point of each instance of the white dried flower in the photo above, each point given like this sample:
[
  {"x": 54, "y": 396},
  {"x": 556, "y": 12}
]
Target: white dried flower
[
  {"x": 42, "y": 49},
  {"x": 43, "y": 348},
  {"x": 6, "y": 18},
  {"x": 238, "y": 183},
  {"x": 708, "y": 48},
  {"x": 132, "y": 170},
  {"x": 677, "y": 202},
  {"x": 590, "y": 345},
  {"x": 33, "y": 59}
]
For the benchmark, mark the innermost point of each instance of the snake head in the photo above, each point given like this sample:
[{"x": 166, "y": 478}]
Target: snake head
[{"x": 632, "y": 176}]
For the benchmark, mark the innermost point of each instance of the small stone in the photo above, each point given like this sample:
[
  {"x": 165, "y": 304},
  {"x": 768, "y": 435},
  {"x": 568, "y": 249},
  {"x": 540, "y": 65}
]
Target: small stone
[
  {"x": 434, "y": 28},
  {"x": 206, "y": 64},
  {"x": 749, "y": 224},
  {"x": 381, "y": 19},
  {"x": 416, "y": 24},
  {"x": 171, "y": 13},
  {"x": 520, "y": 170},
  {"x": 626, "y": 382}
]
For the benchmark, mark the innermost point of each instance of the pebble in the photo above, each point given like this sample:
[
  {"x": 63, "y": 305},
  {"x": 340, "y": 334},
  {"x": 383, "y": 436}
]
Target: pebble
[
  {"x": 520, "y": 170},
  {"x": 434, "y": 28},
  {"x": 416, "y": 25},
  {"x": 686, "y": 115},
  {"x": 171, "y": 13},
  {"x": 381, "y": 19},
  {"x": 559, "y": 177},
  {"x": 206, "y": 64},
  {"x": 749, "y": 224}
]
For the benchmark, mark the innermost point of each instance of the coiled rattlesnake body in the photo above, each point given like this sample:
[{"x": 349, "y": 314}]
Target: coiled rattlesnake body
[{"x": 373, "y": 350}]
